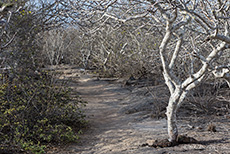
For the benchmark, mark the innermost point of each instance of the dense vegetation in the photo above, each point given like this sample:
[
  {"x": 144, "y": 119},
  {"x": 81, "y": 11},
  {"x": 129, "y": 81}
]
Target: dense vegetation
[
  {"x": 184, "y": 42},
  {"x": 35, "y": 108},
  {"x": 114, "y": 39}
]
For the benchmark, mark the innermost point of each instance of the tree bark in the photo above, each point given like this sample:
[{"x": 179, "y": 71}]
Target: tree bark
[
  {"x": 175, "y": 99},
  {"x": 172, "y": 127},
  {"x": 171, "y": 119}
]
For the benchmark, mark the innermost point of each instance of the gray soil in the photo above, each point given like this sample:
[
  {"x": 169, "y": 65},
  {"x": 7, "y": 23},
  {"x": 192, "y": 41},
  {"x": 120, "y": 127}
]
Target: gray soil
[{"x": 123, "y": 118}]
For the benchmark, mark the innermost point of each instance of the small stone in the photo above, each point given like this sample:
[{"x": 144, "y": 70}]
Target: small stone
[
  {"x": 190, "y": 126},
  {"x": 151, "y": 142},
  {"x": 211, "y": 128},
  {"x": 198, "y": 127}
]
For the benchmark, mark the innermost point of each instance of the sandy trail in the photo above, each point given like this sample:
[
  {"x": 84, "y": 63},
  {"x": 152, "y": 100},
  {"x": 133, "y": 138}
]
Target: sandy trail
[{"x": 113, "y": 132}]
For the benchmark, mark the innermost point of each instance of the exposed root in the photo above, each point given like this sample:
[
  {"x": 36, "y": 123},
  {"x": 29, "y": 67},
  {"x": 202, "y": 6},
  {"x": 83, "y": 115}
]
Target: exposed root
[{"x": 181, "y": 139}]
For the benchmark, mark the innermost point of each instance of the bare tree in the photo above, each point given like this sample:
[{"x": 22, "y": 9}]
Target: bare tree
[
  {"x": 195, "y": 38},
  {"x": 55, "y": 45},
  {"x": 114, "y": 44},
  {"x": 202, "y": 20}
]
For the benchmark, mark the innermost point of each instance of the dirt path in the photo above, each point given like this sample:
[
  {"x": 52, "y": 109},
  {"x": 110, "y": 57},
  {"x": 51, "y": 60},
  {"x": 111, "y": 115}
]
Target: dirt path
[{"x": 112, "y": 132}]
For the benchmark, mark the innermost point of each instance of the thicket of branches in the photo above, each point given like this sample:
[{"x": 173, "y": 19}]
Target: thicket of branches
[
  {"x": 113, "y": 50},
  {"x": 35, "y": 110},
  {"x": 123, "y": 38},
  {"x": 188, "y": 39},
  {"x": 185, "y": 42}
]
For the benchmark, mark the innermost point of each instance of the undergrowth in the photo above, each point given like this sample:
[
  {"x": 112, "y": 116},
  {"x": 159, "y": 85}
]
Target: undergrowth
[{"x": 36, "y": 111}]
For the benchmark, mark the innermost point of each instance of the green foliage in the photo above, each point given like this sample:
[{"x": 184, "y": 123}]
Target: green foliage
[{"x": 35, "y": 111}]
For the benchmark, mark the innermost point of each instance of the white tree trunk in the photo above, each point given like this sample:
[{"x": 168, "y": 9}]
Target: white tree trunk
[
  {"x": 175, "y": 99},
  {"x": 171, "y": 120}
]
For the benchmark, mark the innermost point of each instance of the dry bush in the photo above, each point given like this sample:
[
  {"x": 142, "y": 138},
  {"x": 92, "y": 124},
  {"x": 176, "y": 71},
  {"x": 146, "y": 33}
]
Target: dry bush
[{"x": 209, "y": 97}]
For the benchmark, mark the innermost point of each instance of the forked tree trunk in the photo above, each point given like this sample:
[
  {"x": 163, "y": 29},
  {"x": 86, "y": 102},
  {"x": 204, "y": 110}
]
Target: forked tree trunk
[
  {"x": 175, "y": 101},
  {"x": 179, "y": 87}
]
